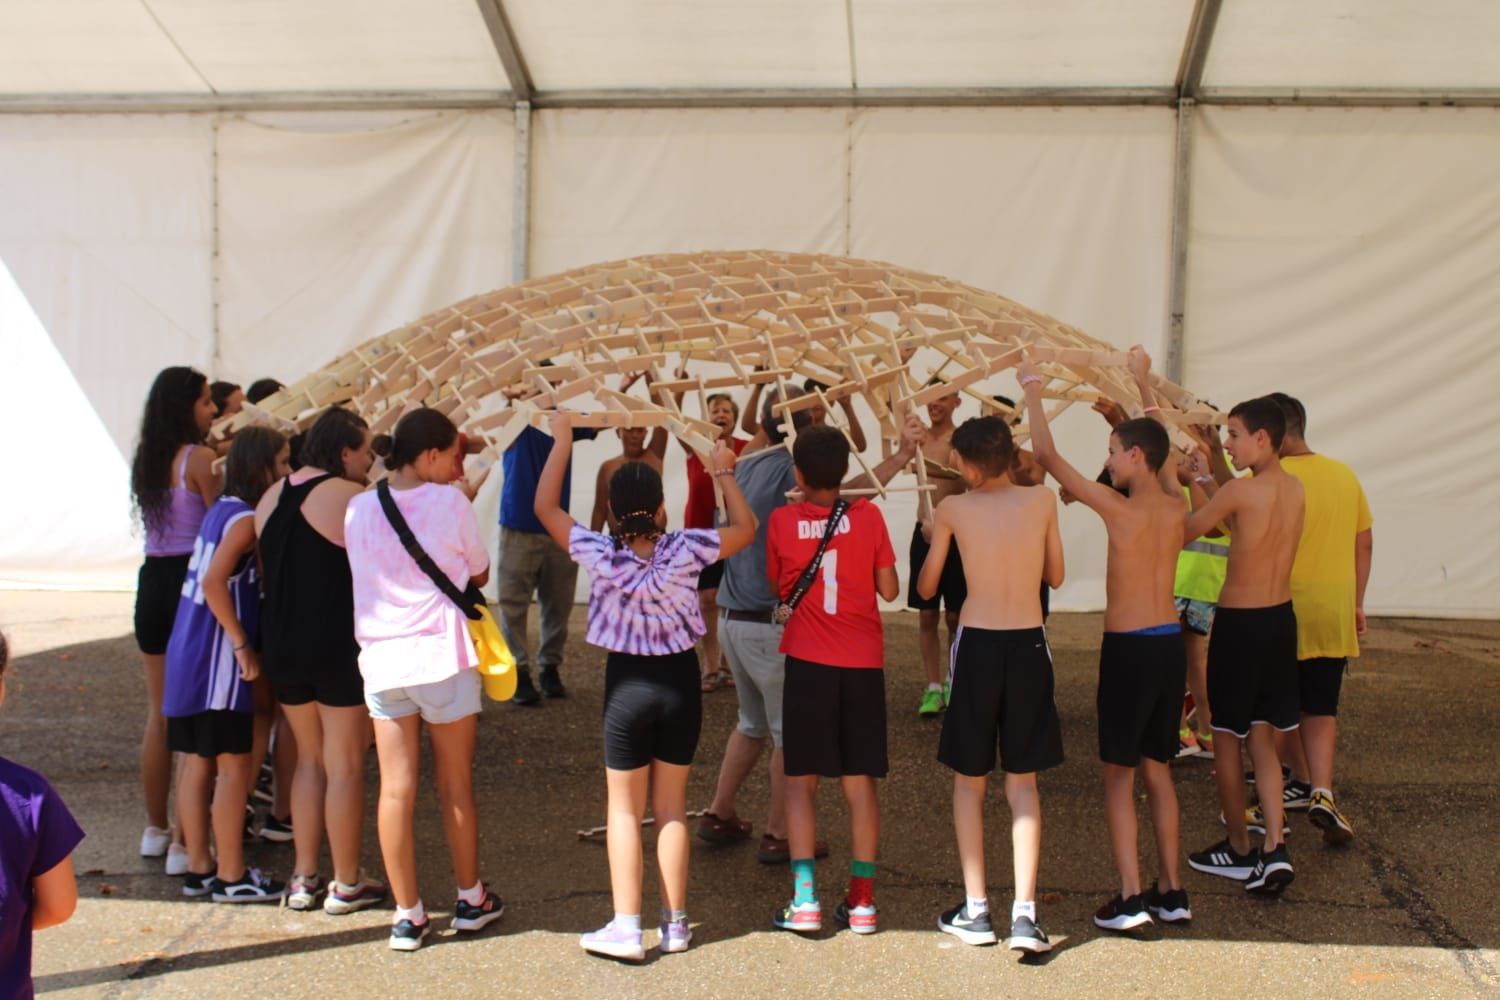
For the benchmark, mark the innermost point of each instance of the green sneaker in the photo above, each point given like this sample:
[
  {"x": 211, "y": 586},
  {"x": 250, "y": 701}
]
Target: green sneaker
[
  {"x": 932, "y": 704},
  {"x": 947, "y": 694}
]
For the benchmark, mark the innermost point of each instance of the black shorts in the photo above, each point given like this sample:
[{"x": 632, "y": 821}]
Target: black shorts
[
  {"x": 833, "y": 720},
  {"x": 711, "y": 575},
  {"x": 1001, "y": 697},
  {"x": 209, "y": 734},
  {"x": 653, "y": 709},
  {"x": 1252, "y": 668},
  {"x": 1141, "y": 678},
  {"x": 332, "y": 692},
  {"x": 1319, "y": 681},
  {"x": 158, "y": 587},
  {"x": 952, "y": 588}
]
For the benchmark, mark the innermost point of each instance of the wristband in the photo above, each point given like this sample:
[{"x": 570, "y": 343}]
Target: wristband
[
  {"x": 1026, "y": 380},
  {"x": 1152, "y": 409},
  {"x": 1205, "y": 480},
  {"x": 723, "y": 472}
]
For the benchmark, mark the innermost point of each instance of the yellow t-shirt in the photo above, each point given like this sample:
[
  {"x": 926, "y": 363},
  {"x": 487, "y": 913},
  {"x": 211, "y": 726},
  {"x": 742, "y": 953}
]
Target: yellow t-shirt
[{"x": 1323, "y": 574}]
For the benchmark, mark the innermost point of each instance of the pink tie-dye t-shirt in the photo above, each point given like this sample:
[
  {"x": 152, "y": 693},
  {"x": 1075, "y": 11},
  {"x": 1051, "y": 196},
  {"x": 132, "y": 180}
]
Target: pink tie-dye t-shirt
[
  {"x": 409, "y": 632},
  {"x": 636, "y": 606}
]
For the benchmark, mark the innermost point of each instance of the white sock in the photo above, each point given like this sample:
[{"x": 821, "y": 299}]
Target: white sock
[
  {"x": 416, "y": 914},
  {"x": 976, "y": 906},
  {"x": 934, "y": 687},
  {"x": 1019, "y": 909},
  {"x": 473, "y": 896},
  {"x": 1326, "y": 791},
  {"x": 628, "y": 922}
]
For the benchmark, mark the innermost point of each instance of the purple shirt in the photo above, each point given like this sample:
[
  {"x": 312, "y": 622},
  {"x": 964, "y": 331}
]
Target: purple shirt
[
  {"x": 636, "y": 606},
  {"x": 36, "y": 833}
]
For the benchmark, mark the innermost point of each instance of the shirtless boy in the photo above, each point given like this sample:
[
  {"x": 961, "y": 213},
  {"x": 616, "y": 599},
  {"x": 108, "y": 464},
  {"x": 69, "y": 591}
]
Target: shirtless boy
[
  {"x": 1252, "y": 653},
  {"x": 1001, "y": 669},
  {"x": 937, "y": 455},
  {"x": 1142, "y": 662},
  {"x": 633, "y": 448}
]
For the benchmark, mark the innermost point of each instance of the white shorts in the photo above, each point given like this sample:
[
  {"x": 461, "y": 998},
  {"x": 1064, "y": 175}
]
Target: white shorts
[{"x": 439, "y": 703}]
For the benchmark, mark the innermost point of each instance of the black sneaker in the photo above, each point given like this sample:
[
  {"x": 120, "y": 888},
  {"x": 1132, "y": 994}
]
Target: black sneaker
[
  {"x": 1224, "y": 861},
  {"x": 1272, "y": 872},
  {"x": 264, "y": 785},
  {"x": 277, "y": 831},
  {"x": 196, "y": 886},
  {"x": 407, "y": 936},
  {"x": 1286, "y": 775},
  {"x": 476, "y": 918},
  {"x": 251, "y": 887},
  {"x": 969, "y": 930},
  {"x": 1121, "y": 914},
  {"x": 525, "y": 690},
  {"x": 1168, "y": 907},
  {"x": 1295, "y": 794},
  {"x": 551, "y": 684},
  {"x": 1026, "y": 935}
]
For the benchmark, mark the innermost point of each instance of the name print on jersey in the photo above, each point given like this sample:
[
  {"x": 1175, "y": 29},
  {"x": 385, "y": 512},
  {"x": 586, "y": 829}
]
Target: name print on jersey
[{"x": 815, "y": 529}]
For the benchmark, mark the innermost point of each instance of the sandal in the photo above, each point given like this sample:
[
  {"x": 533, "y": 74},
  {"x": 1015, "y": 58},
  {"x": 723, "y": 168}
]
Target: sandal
[
  {"x": 722, "y": 831},
  {"x": 708, "y": 682},
  {"x": 725, "y": 678}
]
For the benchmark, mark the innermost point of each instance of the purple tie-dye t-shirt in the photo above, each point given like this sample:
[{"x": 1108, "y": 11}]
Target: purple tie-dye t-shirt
[{"x": 645, "y": 608}]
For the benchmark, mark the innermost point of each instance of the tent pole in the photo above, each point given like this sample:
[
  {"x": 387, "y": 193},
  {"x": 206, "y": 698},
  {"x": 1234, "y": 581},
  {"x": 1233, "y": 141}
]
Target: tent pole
[
  {"x": 1181, "y": 184},
  {"x": 520, "y": 211}
]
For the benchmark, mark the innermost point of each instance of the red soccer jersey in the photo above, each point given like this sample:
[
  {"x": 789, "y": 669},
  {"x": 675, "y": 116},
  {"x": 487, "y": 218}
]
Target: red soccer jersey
[{"x": 838, "y": 621}]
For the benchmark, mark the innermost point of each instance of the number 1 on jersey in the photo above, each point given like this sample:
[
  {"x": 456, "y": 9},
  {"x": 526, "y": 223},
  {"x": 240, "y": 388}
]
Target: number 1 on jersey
[{"x": 830, "y": 569}]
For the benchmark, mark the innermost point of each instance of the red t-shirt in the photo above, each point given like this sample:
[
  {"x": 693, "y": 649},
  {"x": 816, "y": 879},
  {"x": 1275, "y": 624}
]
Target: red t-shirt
[
  {"x": 700, "y": 484},
  {"x": 838, "y": 621}
]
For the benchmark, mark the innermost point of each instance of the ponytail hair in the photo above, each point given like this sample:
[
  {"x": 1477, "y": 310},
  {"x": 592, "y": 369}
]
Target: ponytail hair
[
  {"x": 635, "y": 495},
  {"x": 417, "y": 432}
]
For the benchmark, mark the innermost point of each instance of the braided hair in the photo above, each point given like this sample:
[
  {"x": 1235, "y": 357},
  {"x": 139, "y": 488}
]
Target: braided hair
[{"x": 635, "y": 495}]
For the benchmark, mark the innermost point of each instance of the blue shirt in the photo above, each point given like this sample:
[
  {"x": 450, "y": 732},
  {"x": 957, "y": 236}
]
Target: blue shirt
[
  {"x": 522, "y": 464},
  {"x": 764, "y": 477}
]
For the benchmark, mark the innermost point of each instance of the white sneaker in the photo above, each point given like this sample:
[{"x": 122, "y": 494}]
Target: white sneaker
[
  {"x": 177, "y": 860},
  {"x": 154, "y": 842}
]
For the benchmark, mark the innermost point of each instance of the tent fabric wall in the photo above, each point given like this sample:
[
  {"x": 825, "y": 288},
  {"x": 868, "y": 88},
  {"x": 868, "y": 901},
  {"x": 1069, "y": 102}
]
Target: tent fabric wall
[
  {"x": 1065, "y": 210},
  {"x": 1352, "y": 259}
]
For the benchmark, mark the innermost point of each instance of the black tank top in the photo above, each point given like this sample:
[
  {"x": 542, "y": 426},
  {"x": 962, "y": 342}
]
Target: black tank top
[{"x": 307, "y": 618}]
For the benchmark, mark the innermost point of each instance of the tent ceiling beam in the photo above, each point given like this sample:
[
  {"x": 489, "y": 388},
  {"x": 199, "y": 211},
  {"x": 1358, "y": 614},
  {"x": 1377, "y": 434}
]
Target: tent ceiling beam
[
  {"x": 627, "y": 99},
  {"x": 1200, "y": 36},
  {"x": 507, "y": 48}
]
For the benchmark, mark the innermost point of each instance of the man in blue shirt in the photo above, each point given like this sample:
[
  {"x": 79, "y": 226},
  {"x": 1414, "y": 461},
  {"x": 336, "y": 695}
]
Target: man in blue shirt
[{"x": 531, "y": 562}]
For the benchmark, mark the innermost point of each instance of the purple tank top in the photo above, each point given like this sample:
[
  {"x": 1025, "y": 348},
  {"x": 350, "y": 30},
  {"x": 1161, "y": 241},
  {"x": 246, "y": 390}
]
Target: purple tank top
[{"x": 176, "y": 536}]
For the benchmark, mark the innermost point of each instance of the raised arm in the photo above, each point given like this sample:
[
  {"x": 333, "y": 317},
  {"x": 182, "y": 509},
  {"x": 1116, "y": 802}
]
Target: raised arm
[
  {"x": 911, "y": 438},
  {"x": 600, "y": 513},
  {"x": 1139, "y": 363},
  {"x": 1095, "y": 494},
  {"x": 931, "y": 573},
  {"x": 750, "y": 419},
  {"x": 740, "y": 531},
  {"x": 548, "y": 503},
  {"x": 1217, "y": 511},
  {"x": 856, "y": 432}
]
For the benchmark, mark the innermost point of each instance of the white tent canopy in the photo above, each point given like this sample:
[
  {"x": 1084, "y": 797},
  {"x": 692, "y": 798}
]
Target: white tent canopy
[{"x": 1270, "y": 194}]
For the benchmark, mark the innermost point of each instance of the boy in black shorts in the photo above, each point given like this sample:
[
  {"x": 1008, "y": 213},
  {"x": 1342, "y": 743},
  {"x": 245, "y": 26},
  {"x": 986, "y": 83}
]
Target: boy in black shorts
[
  {"x": 833, "y": 701},
  {"x": 1001, "y": 669},
  {"x": 1142, "y": 661}
]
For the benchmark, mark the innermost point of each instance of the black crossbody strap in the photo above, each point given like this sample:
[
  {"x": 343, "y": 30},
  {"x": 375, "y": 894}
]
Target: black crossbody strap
[
  {"x": 419, "y": 554},
  {"x": 805, "y": 581}
]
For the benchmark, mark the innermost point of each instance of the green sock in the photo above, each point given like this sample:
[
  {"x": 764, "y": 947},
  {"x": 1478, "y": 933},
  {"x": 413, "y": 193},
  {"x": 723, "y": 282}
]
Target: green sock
[
  {"x": 803, "y": 889},
  {"x": 862, "y": 869}
]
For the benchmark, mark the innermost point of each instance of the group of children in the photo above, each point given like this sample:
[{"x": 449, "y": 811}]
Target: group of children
[{"x": 251, "y": 571}]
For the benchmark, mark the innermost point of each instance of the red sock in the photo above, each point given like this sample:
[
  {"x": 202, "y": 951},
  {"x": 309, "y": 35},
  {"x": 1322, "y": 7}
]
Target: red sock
[{"x": 861, "y": 891}]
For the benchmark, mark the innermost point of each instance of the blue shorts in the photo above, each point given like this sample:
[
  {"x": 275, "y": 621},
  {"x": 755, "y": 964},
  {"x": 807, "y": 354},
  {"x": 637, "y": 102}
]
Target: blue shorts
[{"x": 1198, "y": 616}]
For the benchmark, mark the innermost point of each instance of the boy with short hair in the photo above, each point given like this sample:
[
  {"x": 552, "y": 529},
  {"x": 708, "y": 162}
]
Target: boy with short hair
[
  {"x": 833, "y": 714},
  {"x": 633, "y": 448},
  {"x": 1000, "y": 669},
  {"x": 1142, "y": 661},
  {"x": 945, "y": 603},
  {"x": 1252, "y": 653},
  {"x": 1328, "y": 592}
]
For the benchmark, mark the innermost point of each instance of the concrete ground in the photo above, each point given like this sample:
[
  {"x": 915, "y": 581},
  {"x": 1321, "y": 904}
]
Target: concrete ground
[{"x": 1409, "y": 909}]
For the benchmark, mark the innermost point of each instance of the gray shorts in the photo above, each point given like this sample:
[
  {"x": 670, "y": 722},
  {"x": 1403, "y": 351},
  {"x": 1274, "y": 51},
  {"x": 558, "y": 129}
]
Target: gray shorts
[
  {"x": 755, "y": 659},
  {"x": 439, "y": 703}
]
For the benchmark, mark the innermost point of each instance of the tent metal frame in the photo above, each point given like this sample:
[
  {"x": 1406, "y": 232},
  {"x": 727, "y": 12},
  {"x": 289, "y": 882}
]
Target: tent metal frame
[{"x": 1185, "y": 95}]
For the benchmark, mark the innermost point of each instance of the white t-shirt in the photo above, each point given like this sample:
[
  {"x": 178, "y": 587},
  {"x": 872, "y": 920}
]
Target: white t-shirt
[{"x": 409, "y": 632}]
